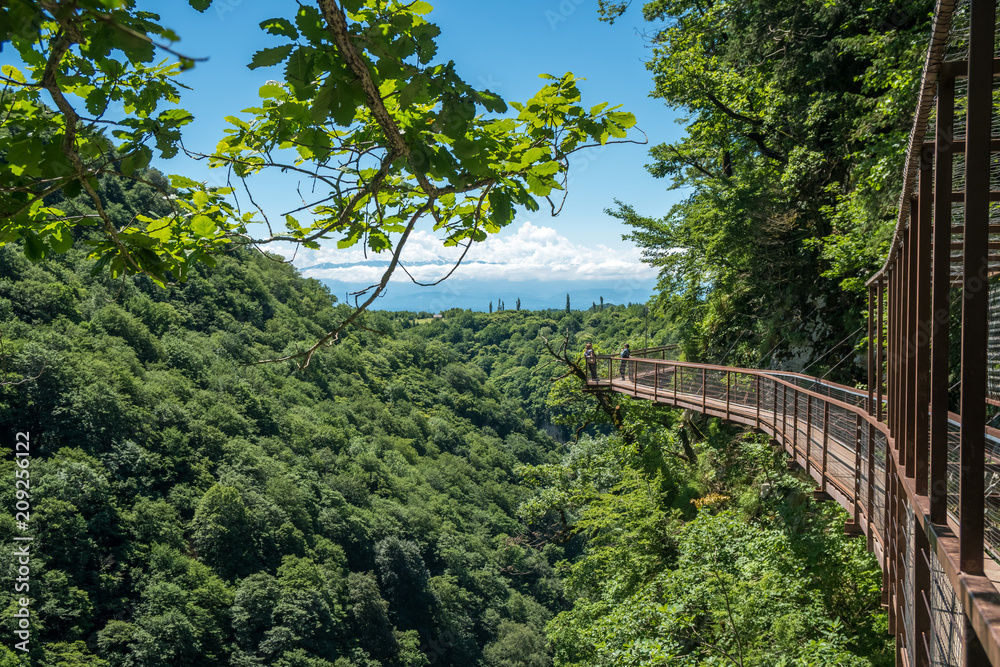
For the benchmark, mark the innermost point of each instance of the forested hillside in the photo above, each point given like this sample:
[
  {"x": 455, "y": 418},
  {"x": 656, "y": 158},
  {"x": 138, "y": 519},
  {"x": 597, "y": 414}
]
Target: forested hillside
[
  {"x": 188, "y": 510},
  {"x": 797, "y": 115}
]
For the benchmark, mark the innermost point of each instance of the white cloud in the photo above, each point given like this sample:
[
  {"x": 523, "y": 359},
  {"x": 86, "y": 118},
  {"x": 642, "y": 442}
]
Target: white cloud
[{"x": 530, "y": 253}]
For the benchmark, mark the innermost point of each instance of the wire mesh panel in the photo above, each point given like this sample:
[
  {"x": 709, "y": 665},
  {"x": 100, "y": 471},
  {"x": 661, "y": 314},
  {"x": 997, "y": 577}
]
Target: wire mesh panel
[
  {"x": 715, "y": 385},
  {"x": 878, "y": 472},
  {"x": 690, "y": 382},
  {"x": 801, "y": 418},
  {"x": 817, "y": 386},
  {"x": 993, "y": 497},
  {"x": 743, "y": 391},
  {"x": 993, "y": 342},
  {"x": 842, "y": 452},
  {"x": 953, "y": 467},
  {"x": 947, "y": 623},
  {"x": 906, "y": 547},
  {"x": 864, "y": 470},
  {"x": 767, "y": 401}
]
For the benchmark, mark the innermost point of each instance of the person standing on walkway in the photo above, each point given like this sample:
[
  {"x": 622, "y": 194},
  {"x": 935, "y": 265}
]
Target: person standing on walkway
[
  {"x": 626, "y": 353},
  {"x": 591, "y": 358}
]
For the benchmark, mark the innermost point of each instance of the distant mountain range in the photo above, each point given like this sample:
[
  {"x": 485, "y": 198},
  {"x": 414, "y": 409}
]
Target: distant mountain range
[{"x": 477, "y": 295}]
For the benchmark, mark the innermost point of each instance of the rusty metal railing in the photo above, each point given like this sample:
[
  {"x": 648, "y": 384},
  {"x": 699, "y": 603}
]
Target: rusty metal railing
[
  {"x": 829, "y": 431},
  {"x": 921, "y": 481}
]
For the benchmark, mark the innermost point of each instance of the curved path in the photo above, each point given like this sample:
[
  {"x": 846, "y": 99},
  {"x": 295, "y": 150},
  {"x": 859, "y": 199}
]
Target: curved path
[{"x": 827, "y": 429}]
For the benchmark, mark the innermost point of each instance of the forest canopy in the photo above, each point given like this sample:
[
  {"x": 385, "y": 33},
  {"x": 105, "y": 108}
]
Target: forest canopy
[{"x": 385, "y": 136}]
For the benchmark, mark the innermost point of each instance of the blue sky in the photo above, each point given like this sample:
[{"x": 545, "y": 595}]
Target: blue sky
[{"x": 498, "y": 44}]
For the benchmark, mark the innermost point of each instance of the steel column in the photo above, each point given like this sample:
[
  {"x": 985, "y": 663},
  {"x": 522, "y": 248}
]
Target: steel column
[
  {"x": 880, "y": 350},
  {"x": 728, "y": 387},
  {"x": 910, "y": 341},
  {"x": 975, "y": 301},
  {"x": 757, "y": 400},
  {"x": 826, "y": 431},
  {"x": 941, "y": 301},
  {"x": 922, "y": 332},
  {"x": 871, "y": 349}
]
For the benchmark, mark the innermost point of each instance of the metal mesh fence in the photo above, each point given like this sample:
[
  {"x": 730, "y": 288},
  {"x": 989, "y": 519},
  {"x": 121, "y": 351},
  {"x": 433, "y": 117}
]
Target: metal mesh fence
[
  {"x": 947, "y": 623},
  {"x": 992, "y": 532},
  {"x": 878, "y": 470},
  {"x": 842, "y": 449},
  {"x": 993, "y": 343},
  {"x": 906, "y": 548},
  {"x": 953, "y": 468},
  {"x": 854, "y": 462}
]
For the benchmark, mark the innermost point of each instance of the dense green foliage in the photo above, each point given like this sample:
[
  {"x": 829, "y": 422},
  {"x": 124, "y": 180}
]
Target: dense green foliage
[
  {"x": 760, "y": 575},
  {"x": 797, "y": 116},
  {"x": 698, "y": 545},
  {"x": 511, "y": 348},
  {"x": 190, "y": 511},
  {"x": 393, "y": 503}
]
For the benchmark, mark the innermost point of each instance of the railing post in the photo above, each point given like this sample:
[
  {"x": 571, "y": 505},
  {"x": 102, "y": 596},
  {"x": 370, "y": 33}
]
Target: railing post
[
  {"x": 728, "y": 387},
  {"x": 880, "y": 350},
  {"x": 757, "y": 400},
  {"x": 826, "y": 431},
  {"x": 894, "y": 332},
  {"x": 975, "y": 292},
  {"x": 677, "y": 371},
  {"x": 795, "y": 424},
  {"x": 871, "y": 349},
  {"x": 922, "y": 333},
  {"x": 704, "y": 390},
  {"x": 656, "y": 383},
  {"x": 941, "y": 300},
  {"x": 910, "y": 338}
]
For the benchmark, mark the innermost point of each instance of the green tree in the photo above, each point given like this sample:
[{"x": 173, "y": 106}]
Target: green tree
[
  {"x": 223, "y": 532},
  {"x": 360, "y": 85},
  {"x": 791, "y": 160}
]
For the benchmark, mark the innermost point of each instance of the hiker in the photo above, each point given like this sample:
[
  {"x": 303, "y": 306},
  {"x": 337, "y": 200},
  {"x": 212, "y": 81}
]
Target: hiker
[
  {"x": 624, "y": 355},
  {"x": 591, "y": 357}
]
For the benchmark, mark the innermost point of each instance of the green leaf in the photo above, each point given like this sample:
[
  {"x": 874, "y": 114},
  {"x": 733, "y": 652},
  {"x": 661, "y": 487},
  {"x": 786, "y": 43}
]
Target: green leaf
[
  {"x": 270, "y": 57},
  {"x": 270, "y": 90},
  {"x": 311, "y": 24},
  {"x": 200, "y": 5},
  {"x": 202, "y": 225},
  {"x": 97, "y": 102},
  {"x": 321, "y": 104},
  {"x": 62, "y": 239},
  {"x": 183, "y": 182},
  {"x": 34, "y": 247},
  {"x": 279, "y": 26},
  {"x": 299, "y": 71}
]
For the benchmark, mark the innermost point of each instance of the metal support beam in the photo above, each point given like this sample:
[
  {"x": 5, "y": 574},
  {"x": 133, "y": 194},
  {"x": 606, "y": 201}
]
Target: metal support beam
[
  {"x": 922, "y": 331},
  {"x": 880, "y": 350},
  {"x": 941, "y": 303},
  {"x": 975, "y": 296}
]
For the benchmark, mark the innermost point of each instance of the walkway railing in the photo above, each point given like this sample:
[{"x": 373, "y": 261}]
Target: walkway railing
[
  {"x": 828, "y": 430},
  {"x": 920, "y": 481}
]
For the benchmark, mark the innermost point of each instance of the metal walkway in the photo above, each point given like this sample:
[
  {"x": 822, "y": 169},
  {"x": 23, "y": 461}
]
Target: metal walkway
[{"x": 920, "y": 481}]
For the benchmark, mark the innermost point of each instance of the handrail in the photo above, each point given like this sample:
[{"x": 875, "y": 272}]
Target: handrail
[{"x": 850, "y": 454}]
